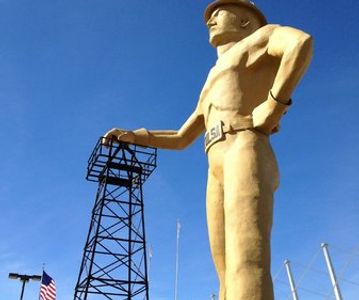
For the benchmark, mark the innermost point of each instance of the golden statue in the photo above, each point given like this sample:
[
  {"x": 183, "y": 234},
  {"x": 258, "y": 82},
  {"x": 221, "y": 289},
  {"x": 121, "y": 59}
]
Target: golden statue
[{"x": 242, "y": 102}]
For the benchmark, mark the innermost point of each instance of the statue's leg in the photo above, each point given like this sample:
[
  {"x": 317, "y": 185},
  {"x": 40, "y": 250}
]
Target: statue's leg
[
  {"x": 250, "y": 179},
  {"x": 215, "y": 222}
]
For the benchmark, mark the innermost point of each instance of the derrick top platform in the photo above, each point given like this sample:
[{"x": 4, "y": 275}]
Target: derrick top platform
[{"x": 121, "y": 162}]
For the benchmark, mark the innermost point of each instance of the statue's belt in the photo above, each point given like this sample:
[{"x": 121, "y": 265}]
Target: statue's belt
[{"x": 217, "y": 132}]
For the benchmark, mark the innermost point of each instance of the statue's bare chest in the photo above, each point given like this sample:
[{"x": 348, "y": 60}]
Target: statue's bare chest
[{"x": 230, "y": 82}]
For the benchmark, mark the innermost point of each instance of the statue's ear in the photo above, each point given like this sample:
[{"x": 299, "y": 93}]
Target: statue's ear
[{"x": 244, "y": 22}]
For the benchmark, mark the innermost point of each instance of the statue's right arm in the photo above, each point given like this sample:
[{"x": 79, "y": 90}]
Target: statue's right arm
[
  {"x": 165, "y": 139},
  {"x": 172, "y": 139}
]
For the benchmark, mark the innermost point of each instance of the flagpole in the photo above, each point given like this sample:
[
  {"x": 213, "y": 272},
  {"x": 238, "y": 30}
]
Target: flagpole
[
  {"x": 149, "y": 264},
  {"x": 177, "y": 258},
  {"x": 43, "y": 270}
]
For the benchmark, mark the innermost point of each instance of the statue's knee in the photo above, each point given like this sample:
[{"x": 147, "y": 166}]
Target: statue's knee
[{"x": 246, "y": 269}]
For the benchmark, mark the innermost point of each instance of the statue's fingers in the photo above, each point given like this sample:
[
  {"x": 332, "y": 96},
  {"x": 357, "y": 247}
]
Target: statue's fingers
[
  {"x": 107, "y": 139},
  {"x": 122, "y": 137},
  {"x": 276, "y": 129},
  {"x": 115, "y": 134},
  {"x": 126, "y": 137},
  {"x": 111, "y": 135},
  {"x": 262, "y": 129}
]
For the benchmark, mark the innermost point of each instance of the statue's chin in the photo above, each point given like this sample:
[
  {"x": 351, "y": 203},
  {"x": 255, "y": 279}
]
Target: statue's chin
[
  {"x": 213, "y": 42},
  {"x": 218, "y": 40}
]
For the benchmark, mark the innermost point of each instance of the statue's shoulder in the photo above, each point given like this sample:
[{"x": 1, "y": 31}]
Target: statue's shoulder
[
  {"x": 266, "y": 31},
  {"x": 259, "y": 39},
  {"x": 269, "y": 27},
  {"x": 255, "y": 46}
]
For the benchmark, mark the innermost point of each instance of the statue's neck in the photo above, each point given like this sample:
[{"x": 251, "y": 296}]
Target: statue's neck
[
  {"x": 224, "y": 48},
  {"x": 234, "y": 39}
]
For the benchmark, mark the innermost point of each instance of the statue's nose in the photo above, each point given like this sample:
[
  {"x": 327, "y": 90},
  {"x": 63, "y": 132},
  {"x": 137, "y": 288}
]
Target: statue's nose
[{"x": 211, "y": 21}]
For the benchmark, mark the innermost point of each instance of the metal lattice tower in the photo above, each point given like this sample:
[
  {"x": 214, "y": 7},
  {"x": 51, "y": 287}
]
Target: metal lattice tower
[{"x": 114, "y": 263}]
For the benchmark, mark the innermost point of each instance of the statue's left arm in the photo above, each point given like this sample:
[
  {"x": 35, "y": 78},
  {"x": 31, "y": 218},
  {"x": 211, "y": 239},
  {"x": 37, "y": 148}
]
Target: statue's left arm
[{"x": 294, "y": 49}]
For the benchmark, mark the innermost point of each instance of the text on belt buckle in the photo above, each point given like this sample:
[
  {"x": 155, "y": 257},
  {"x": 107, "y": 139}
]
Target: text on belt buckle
[{"x": 213, "y": 135}]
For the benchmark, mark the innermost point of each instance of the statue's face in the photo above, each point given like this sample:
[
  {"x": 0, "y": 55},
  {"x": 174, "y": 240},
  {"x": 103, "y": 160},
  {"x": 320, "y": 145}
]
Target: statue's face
[{"x": 230, "y": 23}]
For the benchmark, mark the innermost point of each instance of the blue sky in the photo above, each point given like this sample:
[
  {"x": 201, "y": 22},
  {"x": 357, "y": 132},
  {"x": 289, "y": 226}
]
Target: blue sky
[{"x": 70, "y": 70}]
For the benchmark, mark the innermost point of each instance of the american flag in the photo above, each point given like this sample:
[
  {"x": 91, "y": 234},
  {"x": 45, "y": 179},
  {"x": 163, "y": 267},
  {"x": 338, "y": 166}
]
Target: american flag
[{"x": 48, "y": 288}]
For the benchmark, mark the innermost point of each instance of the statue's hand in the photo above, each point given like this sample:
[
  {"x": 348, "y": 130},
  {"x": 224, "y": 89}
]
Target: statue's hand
[
  {"x": 266, "y": 116},
  {"x": 263, "y": 118},
  {"x": 118, "y": 135}
]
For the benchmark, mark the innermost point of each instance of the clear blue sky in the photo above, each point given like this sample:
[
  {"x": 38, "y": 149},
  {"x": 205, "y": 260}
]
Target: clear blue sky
[{"x": 72, "y": 69}]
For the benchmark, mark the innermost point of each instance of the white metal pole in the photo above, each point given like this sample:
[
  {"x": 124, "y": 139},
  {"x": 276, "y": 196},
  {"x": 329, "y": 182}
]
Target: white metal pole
[
  {"x": 333, "y": 278},
  {"x": 149, "y": 263},
  {"x": 177, "y": 258},
  {"x": 293, "y": 288}
]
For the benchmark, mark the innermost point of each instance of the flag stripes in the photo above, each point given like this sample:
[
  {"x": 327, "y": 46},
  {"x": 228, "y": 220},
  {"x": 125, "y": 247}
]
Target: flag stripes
[{"x": 48, "y": 288}]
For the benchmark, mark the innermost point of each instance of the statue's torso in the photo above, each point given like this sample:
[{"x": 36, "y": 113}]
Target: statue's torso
[{"x": 240, "y": 80}]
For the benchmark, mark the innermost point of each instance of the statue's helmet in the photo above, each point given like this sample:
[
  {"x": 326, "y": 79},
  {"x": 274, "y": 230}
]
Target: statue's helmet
[{"x": 243, "y": 3}]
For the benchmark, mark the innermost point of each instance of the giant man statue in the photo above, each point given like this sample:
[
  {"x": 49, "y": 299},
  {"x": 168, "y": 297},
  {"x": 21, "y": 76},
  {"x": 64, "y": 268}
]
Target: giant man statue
[{"x": 247, "y": 92}]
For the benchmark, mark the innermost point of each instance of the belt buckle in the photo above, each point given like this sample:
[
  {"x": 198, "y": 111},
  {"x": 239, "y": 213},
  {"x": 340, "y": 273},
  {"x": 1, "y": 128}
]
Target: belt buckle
[{"x": 213, "y": 135}]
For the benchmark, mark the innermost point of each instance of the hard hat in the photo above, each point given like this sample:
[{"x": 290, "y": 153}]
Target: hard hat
[{"x": 245, "y": 3}]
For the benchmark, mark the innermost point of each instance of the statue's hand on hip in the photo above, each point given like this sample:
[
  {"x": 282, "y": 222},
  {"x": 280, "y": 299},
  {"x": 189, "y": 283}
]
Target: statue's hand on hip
[
  {"x": 264, "y": 120},
  {"x": 267, "y": 115},
  {"x": 118, "y": 135}
]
